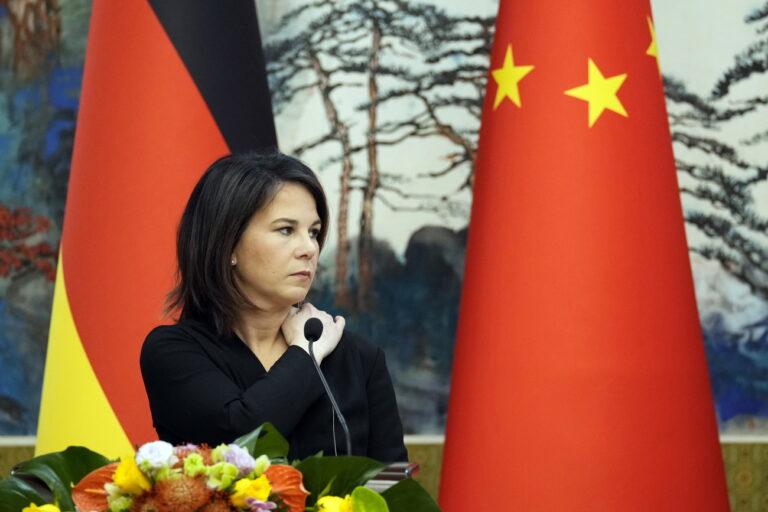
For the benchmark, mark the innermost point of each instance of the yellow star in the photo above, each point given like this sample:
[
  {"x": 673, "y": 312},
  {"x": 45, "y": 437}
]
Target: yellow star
[
  {"x": 653, "y": 49},
  {"x": 507, "y": 78},
  {"x": 600, "y": 93}
]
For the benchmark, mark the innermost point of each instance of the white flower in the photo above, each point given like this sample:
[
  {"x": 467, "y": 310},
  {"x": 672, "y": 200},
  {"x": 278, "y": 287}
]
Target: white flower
[{"x": 155, "y": 455}]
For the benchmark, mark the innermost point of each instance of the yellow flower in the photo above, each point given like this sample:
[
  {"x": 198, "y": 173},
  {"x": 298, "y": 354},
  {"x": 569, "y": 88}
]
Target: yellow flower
[
  {"x": 130, "y": 478},
  {"x": 42, "y": 508},
  {"x": 245, "y": 488},
  {"x": 334, "y": 504}
]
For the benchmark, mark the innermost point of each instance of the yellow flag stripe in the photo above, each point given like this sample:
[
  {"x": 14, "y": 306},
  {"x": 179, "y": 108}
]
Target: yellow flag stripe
[{"x": 74, "y": 409}]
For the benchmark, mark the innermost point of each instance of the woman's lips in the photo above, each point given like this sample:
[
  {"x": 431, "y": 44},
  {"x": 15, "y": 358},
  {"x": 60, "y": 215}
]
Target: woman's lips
[{"x": 306, "y": 274}]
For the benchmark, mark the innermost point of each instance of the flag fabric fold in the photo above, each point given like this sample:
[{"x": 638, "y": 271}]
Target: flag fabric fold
[{"x": 579, "y": 377}]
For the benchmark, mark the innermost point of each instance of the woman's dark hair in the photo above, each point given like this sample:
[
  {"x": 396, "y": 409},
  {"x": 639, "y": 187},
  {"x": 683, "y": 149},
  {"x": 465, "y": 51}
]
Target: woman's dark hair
[{"x": 228, "y": 194}]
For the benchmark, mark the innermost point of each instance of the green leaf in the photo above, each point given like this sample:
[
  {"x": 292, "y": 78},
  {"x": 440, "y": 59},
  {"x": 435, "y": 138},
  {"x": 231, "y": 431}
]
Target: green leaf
[
  {"x": 16, "y": 494},
  {"x": 366, "y": 500},
  {"x": 339, "y": 475},
  {"x": 265, "y": 440},
  {"x": 409, "y": 496},
  {"x": 62, "y": 470},
  {"x": 326, "y": 490}
]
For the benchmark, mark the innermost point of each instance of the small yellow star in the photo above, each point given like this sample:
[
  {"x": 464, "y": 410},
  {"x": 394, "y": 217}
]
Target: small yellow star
[
  {"x": 653, "y": 49},
  {"x": 600, "y": 93},
  {"x": 507, "y": 78}
]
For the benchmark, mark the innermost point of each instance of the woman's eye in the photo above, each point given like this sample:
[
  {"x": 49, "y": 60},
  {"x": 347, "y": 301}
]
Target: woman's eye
[
  {"x": 314, "y": 233},
  {"x": 287, "y": 230}
]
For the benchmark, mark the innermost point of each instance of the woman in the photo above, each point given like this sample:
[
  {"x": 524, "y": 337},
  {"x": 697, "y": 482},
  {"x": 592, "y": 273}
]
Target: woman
[{"x": 248, "y": 247}]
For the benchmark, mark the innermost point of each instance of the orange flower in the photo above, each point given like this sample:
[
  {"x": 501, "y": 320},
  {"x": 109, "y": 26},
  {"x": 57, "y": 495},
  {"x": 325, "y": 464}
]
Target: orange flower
[
  {"x": 288, "y": 484},
  {"x": 181, "y": 494},
  {"x": 89, "y": 493}
]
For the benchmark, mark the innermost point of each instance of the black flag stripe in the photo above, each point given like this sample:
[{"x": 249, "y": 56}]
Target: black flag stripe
[{"x": 220, "y": 45}]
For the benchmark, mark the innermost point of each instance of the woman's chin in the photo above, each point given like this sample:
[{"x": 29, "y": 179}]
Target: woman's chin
[
  {"x": 295, "y": 299},
  {"x": 283, "y": 302}
]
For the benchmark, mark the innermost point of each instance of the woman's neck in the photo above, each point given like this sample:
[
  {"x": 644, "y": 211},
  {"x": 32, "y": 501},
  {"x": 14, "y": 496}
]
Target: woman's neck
[{"x": 260, "y": 329}]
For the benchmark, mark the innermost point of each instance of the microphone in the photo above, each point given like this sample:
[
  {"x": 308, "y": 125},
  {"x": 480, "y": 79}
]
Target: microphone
[{"x": 313, "y": 329}]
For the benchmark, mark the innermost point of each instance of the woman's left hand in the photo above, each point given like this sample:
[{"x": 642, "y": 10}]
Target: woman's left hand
[{"x": 293, "y": 330}]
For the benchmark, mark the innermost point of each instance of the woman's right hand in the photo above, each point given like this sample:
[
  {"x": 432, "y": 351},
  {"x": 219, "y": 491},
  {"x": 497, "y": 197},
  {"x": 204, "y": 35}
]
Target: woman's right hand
[{"x": 293, "y": 330}]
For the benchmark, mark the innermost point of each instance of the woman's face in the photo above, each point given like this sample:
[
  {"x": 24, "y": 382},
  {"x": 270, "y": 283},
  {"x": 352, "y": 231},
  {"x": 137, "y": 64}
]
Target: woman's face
[{"x": 276, "y": 257}]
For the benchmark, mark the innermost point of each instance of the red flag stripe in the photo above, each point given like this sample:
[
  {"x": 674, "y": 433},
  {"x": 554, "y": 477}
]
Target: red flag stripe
[{"x": 144, "y": 135}]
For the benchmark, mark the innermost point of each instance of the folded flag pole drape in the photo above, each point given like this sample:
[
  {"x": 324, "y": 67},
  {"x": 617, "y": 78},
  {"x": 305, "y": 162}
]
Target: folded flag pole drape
[
  {"x": 579, "y": 377},
  {"x": 168, "y": 86}
]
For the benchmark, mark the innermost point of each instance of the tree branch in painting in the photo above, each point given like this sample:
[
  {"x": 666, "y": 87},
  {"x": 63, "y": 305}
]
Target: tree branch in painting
[
  {"x": 722, "y": 177},
  {"x": 407, "y": 71}
]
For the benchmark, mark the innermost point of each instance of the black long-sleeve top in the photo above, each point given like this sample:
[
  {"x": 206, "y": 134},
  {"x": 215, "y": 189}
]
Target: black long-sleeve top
[{"x": 203, "y": 388}]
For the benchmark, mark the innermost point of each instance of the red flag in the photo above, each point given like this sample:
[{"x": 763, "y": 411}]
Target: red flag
[
  {"x": 169, "y": 85},
  {"x": 579, "y": 379}
]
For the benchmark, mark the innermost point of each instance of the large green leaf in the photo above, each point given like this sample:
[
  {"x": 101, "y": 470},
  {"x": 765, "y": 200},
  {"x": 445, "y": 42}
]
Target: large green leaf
[
  {"x": 336, "y": 476},
  {"x": 16, "y": 494},
  {"x": 61, "y": 470},
  {"x": 409, "y": 496},
  {"x": 265, "y": 440},
  {"x": 366, "y": 500}
]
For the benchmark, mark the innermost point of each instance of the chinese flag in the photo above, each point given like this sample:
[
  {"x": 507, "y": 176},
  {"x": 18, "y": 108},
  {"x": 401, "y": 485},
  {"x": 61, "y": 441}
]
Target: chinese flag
[
  {"x": 579, "y": 381},
  {"x": 169, "y": 86}
]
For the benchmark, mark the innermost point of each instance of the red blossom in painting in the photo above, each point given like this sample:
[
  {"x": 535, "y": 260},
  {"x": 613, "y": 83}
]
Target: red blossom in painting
[{"x": 17, "y": 254}]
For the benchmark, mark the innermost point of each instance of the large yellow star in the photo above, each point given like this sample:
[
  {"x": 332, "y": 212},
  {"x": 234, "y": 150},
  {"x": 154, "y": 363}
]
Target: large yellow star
[
  {"x": 507, "y": 78},
  {"x": 653, "y": 49},
  {"x": 600, "y": 93}
]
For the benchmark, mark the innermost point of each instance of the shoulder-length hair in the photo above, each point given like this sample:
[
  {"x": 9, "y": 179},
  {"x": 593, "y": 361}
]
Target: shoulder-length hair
[{"x": 222, "y": 203}]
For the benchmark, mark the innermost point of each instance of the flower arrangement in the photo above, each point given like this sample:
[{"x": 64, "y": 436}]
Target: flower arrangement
[
  {"x": 251, "y": 474},
  {"x": 165, "y": 478}
]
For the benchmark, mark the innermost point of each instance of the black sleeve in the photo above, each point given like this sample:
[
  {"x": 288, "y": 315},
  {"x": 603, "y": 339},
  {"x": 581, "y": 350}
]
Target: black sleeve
[
  {"x": 385, "y": 442},
  {"x": 193, "y": 400}
]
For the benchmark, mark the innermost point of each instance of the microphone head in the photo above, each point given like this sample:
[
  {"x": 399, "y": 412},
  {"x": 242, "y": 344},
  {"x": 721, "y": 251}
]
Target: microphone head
[{"x": 313, "y": 329}]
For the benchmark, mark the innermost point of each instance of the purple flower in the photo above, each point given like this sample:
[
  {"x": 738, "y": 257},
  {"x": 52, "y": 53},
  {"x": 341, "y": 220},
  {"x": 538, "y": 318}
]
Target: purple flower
[
  {"x": 241, "y": 459},
  {"x": 258, "y": 505},
  {"x": 183, "y": 449}
]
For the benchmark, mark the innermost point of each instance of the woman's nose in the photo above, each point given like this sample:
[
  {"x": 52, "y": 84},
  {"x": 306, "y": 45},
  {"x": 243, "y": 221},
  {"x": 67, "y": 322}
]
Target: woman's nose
[{"x": 308, "y": 247}]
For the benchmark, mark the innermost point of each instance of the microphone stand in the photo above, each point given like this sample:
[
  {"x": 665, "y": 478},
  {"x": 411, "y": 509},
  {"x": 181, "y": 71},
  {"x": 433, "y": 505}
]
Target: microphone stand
[{"x": 335, "y": 406}]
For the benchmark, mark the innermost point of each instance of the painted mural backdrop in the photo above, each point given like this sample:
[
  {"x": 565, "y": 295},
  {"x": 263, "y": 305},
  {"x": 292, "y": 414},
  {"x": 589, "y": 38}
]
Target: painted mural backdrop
[
  {"x": 382, "y": 98},
  {"x": 42, "y": 45},
  {"x": 716, "y": 82}
]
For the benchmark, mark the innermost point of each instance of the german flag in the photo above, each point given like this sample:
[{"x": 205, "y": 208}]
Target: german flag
[{"x": 169, "y": 86}]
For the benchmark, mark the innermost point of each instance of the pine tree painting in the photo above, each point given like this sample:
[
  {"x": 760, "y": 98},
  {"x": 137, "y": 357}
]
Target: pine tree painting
[
  {"x": 720, "y": 140},
  {"x": 383, "y": 98}
]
